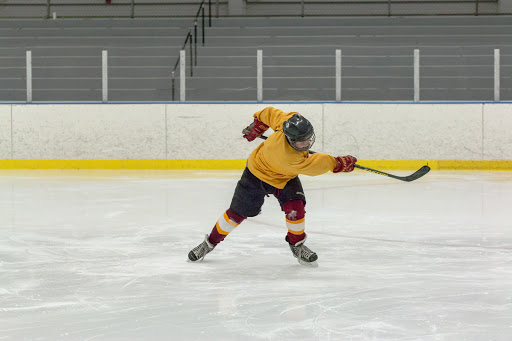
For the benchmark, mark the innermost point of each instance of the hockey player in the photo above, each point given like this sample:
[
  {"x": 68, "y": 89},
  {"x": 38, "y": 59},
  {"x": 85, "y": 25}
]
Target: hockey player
[{"x": 273, "y": 168}]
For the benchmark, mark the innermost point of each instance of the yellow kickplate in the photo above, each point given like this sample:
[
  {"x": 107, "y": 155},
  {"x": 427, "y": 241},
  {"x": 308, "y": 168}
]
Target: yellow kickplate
[{"x": 500, "y": 165}]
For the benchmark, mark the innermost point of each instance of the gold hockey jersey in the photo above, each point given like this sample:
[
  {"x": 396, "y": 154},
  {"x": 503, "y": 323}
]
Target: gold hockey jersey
[{"x": 275, "y": 162}]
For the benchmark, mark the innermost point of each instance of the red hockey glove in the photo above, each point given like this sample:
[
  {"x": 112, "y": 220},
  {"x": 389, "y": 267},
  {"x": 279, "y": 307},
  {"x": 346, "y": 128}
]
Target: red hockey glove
[
  {"x": 344, "y": 164},
  {"x": 254, "y": 130}
]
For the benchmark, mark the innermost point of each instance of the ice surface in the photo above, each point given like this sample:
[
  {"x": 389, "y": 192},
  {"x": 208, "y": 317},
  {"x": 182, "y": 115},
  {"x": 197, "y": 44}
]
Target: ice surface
[{"x": 102, "y": 256}]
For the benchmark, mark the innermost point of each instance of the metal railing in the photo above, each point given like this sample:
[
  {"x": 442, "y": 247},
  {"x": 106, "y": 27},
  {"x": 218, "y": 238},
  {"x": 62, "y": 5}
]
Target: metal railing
[
  {"x": 191, "y": 39},
  {"x": 414, "y": 85}
]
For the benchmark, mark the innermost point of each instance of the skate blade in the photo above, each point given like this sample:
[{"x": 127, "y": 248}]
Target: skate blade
[
  {"x": 195, "y": 261},
  {"x": 310, "y": 264}
]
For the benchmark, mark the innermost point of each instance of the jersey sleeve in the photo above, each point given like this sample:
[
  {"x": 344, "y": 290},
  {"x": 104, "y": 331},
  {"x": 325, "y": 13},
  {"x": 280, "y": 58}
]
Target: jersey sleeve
[
  {"x": 315, "y": 164},
  {"x": 273, "y": 117}
]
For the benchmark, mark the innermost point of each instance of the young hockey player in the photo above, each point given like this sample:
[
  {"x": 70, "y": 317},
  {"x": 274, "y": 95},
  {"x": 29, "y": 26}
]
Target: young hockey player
[{"x": 273, "y": 168}]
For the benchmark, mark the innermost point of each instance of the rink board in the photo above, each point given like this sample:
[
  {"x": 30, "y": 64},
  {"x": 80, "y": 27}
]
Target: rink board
[{"x": 465, "y": 136}]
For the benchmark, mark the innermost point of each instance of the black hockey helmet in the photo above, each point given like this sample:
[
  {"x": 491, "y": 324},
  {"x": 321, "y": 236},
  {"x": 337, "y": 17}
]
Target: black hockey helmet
[{"x": 298, "y": 129}]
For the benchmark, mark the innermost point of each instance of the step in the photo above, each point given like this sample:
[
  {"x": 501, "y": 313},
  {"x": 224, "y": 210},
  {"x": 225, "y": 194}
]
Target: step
[
  {"x": 98, "y": 32},
  {"x": 104, "y": 42},
  {"x": 356, "y": 31},
  {"x": 361, "y": 21},
  {"x": 171, "y": 52},
  {"x": 12, "y": 95},
  {"x": 74, "y": 24}
]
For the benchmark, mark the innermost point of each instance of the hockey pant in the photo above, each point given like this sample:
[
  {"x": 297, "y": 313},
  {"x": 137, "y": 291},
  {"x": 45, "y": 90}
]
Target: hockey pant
[{"x": 248, "y": 199}]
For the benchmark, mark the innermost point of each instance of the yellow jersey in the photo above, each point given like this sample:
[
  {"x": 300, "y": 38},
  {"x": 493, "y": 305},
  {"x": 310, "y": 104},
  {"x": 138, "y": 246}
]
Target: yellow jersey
[{"x": 275, "y": 162}]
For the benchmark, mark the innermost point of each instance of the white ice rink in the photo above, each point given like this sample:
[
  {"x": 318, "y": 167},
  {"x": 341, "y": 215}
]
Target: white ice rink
[{"x": 102, "y": 256}]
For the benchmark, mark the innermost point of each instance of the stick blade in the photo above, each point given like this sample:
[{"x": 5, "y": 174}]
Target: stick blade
[{"x": 418, "y": 174}]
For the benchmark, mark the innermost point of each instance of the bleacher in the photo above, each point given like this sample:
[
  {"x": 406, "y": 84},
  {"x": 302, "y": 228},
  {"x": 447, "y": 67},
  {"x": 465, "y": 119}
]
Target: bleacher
[{"x": 456, "y": 58}]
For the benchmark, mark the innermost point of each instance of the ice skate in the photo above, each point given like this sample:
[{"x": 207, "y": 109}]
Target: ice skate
[
  {"x": 303, "y": 254},
  {"x": 197, "y": 254}
]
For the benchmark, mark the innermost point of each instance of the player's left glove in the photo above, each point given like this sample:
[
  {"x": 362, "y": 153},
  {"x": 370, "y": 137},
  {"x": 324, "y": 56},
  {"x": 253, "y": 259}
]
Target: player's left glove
[
  {"x": 344, "y": 164},
  {"x": 254, "y": 130}
]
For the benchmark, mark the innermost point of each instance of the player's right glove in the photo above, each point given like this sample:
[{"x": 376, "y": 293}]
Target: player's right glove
[
  {"x": 254, "y": 130},
  {"x": 344, "y": 164}
]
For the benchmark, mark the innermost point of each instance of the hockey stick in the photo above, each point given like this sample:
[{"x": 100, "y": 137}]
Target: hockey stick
[{"x": 414, "y": 176}]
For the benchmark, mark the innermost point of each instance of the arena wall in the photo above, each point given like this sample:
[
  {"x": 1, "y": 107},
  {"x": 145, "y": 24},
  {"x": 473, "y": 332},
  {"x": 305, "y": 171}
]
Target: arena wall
[{"x": 208, "y": 136}]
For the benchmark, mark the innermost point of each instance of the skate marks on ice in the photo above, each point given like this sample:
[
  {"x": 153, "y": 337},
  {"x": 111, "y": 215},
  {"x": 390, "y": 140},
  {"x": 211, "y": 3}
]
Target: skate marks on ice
[{"x": 105, "y": 259}]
